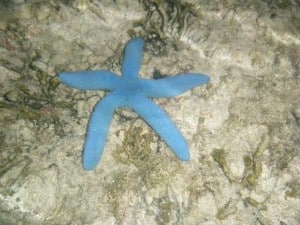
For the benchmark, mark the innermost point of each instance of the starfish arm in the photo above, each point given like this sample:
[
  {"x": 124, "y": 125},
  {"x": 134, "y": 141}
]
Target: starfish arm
[
  {"x": 97, "y": 130},
  {"x": 172, "y": 86},
  {"x": 90, "y": 80},
  {"x": 132, "y": 58},
  {"x": 162, "y": 125}
]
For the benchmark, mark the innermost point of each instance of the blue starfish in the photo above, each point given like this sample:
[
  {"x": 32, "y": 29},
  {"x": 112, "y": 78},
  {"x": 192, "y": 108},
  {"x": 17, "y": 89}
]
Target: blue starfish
[{"x": 129, "y": 90}]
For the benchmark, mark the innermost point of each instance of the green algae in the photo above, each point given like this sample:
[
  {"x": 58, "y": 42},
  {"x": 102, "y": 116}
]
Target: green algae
[
  {"x": 285, "y": 158},
  {"x": 251, "y": 174},
  {"x": 255, "y": 203},
  {"x": 152, "y": 171},
  {"x": 252, "y": 164},
  {"x": 219, "y": 156},
  {"x": 229, "y": 209},
  {"x": 165, "y": 208},
  {"x": 252, "y": 171},
  {"x": 294, "y": 189},
  {"x": 136, "y": 149}
]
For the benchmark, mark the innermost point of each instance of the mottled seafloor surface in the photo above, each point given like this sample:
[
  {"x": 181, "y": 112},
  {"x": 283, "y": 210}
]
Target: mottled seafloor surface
[{"x": 243, "y": 128}]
